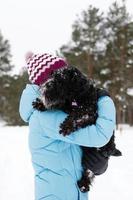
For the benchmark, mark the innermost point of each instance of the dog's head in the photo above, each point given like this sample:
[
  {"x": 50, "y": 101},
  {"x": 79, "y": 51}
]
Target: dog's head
[{"x": 65, "y": 85}]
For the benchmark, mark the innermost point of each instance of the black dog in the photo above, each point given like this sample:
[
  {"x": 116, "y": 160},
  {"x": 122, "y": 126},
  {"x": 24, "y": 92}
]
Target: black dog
[{"x": 71, "y": 91}]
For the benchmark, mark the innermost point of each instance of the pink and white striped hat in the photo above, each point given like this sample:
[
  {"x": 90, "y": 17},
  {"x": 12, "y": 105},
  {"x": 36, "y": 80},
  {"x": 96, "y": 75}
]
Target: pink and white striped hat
[{"x": 40, "y": 66}]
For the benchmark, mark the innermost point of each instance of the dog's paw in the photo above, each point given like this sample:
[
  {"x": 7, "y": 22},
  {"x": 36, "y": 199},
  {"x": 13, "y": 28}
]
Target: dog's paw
[
  {"x": 67, "y": 127},
  {"x": 38, "y": 104},
  {"x": 83, "y": 186}
]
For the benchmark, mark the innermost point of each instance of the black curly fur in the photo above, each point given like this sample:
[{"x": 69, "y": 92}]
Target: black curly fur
[
  {"x": 38, "y": 105},
  {"x": 71, "y": 91}
]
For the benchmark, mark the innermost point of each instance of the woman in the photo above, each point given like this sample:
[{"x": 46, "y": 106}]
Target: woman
[{"x": 57, "y": 159}]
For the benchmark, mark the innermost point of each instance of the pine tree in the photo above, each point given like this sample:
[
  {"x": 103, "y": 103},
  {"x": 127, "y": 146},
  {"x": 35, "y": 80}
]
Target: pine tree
[
  {"x": 5, "y": 56},
  {"x": 13, "y": 92},
  {"x": 87, "y": 35},
  {"x": 118, "y": 59},
  {"x": 5, "y": 68},
  {"x": 11, "y": 86}
]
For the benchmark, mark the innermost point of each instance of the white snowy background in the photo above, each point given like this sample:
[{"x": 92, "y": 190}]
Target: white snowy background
[{"x": 17, "y": 175}]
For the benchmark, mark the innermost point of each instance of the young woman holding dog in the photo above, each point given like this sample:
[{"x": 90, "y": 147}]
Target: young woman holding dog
[{"x": 57, "y": 159}]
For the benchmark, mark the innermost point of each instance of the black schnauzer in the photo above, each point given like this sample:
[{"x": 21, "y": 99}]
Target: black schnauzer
[{"x": 71, "y": 91}]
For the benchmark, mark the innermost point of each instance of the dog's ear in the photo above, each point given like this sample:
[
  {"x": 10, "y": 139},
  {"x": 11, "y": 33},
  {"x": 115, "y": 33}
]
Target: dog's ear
[{"x": 117, "y": 152}]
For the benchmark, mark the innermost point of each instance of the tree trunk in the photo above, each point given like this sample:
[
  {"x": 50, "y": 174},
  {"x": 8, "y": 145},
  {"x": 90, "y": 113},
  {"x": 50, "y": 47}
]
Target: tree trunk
[{"x": 90, "y": 58}]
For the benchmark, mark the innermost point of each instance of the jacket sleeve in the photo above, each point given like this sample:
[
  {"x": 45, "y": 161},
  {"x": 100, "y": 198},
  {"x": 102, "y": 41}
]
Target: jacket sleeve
[
  {"x": 29, "y": 94},
  {"x": 91, "y": 136}
]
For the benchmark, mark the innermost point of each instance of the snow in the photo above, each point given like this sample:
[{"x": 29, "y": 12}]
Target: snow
[
  {"x": 17, "y": 175},
  {"x": 117, "y": 182},
  {"x": 130, "y": 91}
]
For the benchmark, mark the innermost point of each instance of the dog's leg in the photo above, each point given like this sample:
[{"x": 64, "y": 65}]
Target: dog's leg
[{"x": 86, "y": 181}]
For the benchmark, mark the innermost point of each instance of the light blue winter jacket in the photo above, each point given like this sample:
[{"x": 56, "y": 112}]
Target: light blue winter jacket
[{"x": 57, "y": 159}]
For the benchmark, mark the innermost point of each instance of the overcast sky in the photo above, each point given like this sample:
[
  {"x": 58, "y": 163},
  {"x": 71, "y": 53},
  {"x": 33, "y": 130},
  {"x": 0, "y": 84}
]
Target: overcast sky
[{"x": 42, "y": 25}]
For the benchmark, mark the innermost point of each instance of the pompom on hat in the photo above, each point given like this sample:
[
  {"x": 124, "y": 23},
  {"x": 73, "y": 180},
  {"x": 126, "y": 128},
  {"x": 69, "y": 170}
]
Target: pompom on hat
[{"x": 40, "y": 66}]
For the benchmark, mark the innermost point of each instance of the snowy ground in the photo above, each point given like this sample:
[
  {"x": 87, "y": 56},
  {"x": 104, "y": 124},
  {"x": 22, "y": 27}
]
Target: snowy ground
[{"x": 16, "y": 173}]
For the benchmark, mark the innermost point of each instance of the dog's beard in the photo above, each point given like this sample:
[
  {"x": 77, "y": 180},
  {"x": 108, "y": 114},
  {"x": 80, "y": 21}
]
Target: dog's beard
[
  {"x": 53, "y": 103},
  {"x": 50, "y": 104},
  {"x": 43, "y": 91},
  {"x": 49, "y": 101}
]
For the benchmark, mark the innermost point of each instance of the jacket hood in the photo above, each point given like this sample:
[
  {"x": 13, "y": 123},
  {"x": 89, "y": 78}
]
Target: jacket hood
[{"x": 29, "y": 94}]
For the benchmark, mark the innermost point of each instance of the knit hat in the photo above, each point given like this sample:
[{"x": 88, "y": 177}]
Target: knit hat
[{"x": 40, "y": 66}]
